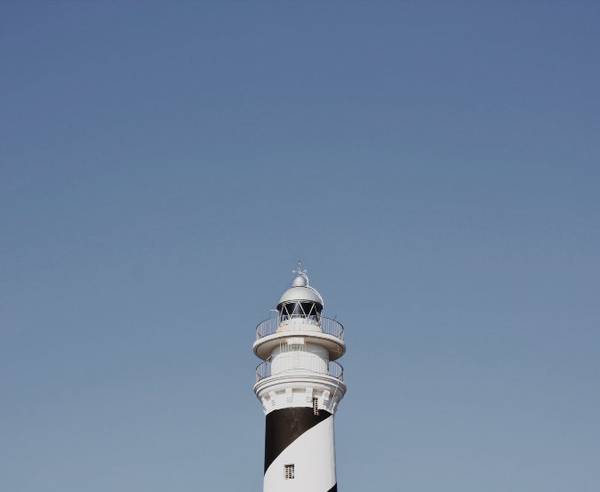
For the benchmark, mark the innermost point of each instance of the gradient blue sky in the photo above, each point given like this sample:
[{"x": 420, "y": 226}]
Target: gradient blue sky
[{"x": 162, "y": 167}]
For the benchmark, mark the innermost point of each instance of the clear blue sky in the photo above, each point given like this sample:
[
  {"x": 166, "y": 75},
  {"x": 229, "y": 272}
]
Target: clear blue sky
[{"x": 435, "y": 164}]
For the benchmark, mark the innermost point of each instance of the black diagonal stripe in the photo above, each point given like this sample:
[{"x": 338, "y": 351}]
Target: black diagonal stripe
[
  {"x": 333, "y": 489},
  {"x": 285, "y": 426}
]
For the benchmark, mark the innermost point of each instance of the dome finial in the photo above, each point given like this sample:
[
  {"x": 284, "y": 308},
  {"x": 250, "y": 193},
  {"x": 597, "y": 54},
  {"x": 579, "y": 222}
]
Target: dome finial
[{"x": 301, "y": 278}]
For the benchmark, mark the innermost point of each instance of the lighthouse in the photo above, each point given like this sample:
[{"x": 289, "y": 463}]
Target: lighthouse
[{"x": 299, "y": 384}]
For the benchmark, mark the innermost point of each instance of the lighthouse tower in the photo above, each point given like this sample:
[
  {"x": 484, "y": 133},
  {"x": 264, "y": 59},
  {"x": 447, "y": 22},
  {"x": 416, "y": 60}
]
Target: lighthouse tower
[{"x": 299, "y": 385}]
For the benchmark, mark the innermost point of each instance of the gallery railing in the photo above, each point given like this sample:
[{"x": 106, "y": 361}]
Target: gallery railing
[{"x": 327, "y": 326}]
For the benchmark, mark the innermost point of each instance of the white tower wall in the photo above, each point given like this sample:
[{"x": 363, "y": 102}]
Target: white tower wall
[{"x": 298, "y": 356}]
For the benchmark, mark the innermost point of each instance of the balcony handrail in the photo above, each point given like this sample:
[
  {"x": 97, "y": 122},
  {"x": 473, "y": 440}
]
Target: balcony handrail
[
  {"x": 334, "y": 370},
  {"x": 328, "y": 326}
]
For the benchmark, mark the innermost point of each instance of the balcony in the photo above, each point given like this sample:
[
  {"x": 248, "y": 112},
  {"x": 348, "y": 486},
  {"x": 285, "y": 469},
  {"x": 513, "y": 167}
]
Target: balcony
[
  {"x": 334, "y": 370},
  {"x": 300, "y": 325},
  {"x": 316, "y": 330}
]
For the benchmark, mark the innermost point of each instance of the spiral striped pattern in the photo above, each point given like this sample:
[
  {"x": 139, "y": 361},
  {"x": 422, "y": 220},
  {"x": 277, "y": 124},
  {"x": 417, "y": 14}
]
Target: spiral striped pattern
[{"x": 296, "y": 436}]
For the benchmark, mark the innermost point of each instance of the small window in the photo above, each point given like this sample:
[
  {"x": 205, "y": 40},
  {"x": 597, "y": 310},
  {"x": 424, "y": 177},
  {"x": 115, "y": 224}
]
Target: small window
[{"x": 289, "y": 472}]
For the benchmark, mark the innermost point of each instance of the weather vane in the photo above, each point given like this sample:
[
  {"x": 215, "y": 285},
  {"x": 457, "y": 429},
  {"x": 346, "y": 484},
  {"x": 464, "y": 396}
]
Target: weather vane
[{"x": 300, "y": 271}]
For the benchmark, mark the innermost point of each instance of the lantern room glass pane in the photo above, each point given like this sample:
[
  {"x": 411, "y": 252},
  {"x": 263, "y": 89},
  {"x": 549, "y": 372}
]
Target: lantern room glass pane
[{"x": 309, "y": 310}]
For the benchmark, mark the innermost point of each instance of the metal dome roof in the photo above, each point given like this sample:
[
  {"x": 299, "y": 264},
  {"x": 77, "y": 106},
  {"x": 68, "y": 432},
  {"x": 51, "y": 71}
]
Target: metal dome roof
[
  {"x": 300, "y": 290},
  {"x": 306, "y": 293}
]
